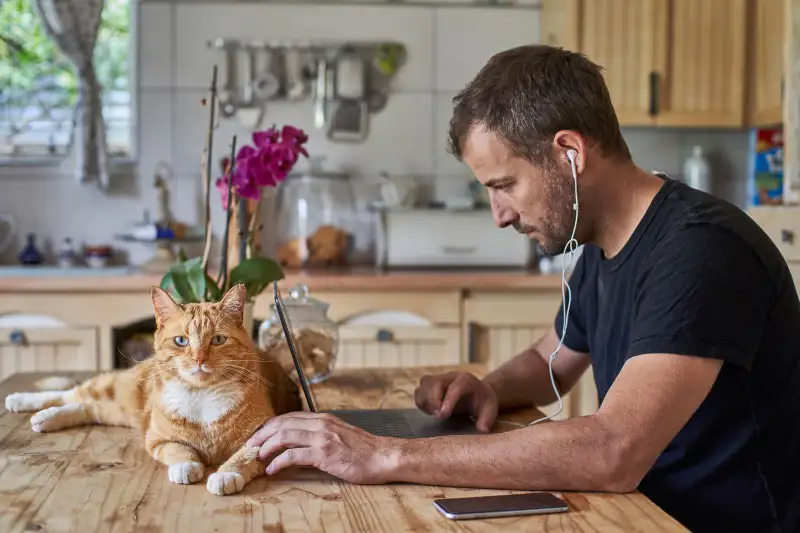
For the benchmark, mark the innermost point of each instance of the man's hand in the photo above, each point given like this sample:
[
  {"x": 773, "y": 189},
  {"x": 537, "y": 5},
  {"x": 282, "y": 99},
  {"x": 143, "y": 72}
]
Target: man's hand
[
  {"x": 442, "y": 395},
  {"x": 327, "y": 443}
]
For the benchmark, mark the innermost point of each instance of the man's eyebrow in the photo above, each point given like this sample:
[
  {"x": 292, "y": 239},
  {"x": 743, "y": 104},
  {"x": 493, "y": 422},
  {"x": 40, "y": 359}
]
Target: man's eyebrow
[{"x": 495, "y": 182}]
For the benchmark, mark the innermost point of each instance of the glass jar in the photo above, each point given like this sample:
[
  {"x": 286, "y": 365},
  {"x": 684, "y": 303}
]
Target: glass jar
[
  {"x": 316, "y": 336},
  {"x": 316, "y": 218}
]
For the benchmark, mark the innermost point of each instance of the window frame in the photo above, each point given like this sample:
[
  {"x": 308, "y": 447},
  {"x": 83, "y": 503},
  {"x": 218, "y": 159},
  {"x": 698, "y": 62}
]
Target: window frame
[{"x": 55, "y": 167}]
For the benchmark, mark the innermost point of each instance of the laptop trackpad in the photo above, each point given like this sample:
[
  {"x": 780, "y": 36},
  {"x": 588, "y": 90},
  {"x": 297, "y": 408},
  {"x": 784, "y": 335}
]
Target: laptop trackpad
[{"x": 427, "y": 426}]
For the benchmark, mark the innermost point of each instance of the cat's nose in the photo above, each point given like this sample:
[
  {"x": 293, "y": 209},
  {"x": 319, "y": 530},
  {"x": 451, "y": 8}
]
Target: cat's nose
[{"x": 200, "y": 357}]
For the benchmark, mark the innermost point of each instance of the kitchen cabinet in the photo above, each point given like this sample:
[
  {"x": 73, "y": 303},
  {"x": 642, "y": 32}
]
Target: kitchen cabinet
[
  {"x": 392, "y": 326},
  {"x": 504, "y": 324},
  {"x": 702, "y": 76},
  {"x": 668, "y": 63},
  {"x": 766, "y": 63},
  {"x": 782, "y": 225},
  {"x": 45, "y": 349},
  {"x": 623, "y": 37}
]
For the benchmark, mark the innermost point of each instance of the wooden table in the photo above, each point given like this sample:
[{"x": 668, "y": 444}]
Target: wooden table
[{"x": 99, "y": 479}]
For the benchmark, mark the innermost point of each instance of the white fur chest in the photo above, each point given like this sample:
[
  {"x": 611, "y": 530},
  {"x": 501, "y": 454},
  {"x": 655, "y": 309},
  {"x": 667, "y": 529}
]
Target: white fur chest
[{"x": 199, "y": 406}]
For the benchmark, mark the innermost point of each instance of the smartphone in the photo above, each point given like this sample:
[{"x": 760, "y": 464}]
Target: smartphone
[{"x": 501, "y": 505}]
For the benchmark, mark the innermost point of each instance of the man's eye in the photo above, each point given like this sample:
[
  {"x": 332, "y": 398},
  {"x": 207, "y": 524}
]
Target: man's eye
[{"x": 181, "y": 341}]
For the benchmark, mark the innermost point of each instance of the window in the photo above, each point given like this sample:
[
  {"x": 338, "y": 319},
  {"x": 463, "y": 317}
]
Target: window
[{"x": 38, "y": 87}]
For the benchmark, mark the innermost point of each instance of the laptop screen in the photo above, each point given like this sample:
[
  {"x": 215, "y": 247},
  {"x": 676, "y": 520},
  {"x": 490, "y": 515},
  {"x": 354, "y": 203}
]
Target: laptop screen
[{"x": 287, "y": 332}]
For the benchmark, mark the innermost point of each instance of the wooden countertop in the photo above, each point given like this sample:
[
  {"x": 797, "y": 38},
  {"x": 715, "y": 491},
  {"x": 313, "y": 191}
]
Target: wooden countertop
[
  {"x": 100, "y": 479},
  {"x": 355, "y": 279}
]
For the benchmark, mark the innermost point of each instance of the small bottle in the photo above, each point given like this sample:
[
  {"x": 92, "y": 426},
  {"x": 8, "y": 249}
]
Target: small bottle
[
  {"x": 66, "y": 254},
  {"x": 30, "y": 256},
  {"x": 697, "y": 171}
]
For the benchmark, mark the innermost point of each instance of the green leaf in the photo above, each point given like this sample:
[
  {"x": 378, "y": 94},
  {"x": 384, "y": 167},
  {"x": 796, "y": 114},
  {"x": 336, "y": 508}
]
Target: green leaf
[
  {"x": 214, "y": 292},
  {"x": 182, "y": 255},
  {"x": 256, "y": 274},
  {"x": 168, "y": 284},
  {"x": 189, "y": 280}
]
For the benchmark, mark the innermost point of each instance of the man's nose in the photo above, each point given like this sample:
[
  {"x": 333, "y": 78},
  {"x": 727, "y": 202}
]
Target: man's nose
[{"x": 503, "y": 216}]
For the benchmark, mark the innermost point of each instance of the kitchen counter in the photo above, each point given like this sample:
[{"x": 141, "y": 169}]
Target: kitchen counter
[{"x": 86, "y": 280}]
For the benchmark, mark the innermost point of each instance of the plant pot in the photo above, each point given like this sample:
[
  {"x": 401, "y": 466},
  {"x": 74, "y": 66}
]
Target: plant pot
[{"x": 248, "y": 318}]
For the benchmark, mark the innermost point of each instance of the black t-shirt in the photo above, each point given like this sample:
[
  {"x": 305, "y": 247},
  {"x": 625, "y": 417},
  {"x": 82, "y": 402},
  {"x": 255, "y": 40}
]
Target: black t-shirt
[{"x": 699, "y": 277}]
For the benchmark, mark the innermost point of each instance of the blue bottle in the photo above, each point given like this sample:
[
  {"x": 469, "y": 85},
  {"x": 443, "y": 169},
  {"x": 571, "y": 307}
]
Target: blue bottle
[{"x": 30, "y": 255}]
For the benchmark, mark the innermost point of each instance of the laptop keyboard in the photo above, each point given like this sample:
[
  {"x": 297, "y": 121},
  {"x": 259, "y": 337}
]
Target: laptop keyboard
[{"x": 386, "y": 423}]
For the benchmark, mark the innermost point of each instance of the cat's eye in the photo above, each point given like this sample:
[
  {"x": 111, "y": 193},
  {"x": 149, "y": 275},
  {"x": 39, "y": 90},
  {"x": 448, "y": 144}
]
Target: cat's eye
[
  {"x": 216, "y": 340},
  {"x": 181, "y": 341}
]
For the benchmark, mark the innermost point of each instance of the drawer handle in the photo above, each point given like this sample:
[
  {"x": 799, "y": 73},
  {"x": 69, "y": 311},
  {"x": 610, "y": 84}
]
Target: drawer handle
[
  {"x": 461, "y": 250},
  {"x": 787, "y": 236},
  {"x": 384, "y": 335},
  {"x": 18, "y": 338}
]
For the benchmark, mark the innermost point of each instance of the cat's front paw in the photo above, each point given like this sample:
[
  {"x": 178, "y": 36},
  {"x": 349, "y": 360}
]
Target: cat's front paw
[
  {"x": 186, "y": 473},
  {"x": 20, "y": 402},
  {"x": 222, "y": 483},
  {"x": 56, "y": 418}
]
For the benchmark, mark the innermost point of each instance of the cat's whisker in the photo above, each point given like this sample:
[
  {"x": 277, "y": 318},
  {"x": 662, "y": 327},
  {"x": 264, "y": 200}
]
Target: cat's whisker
[{"x": 246, "y": 373}]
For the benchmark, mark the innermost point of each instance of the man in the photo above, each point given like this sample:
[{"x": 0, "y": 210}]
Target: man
[{"x": 685, "y": 309}]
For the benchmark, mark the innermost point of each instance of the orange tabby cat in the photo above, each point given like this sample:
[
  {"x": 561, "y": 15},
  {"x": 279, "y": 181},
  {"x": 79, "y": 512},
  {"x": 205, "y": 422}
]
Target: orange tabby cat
[{"x": 202, "y": 394}]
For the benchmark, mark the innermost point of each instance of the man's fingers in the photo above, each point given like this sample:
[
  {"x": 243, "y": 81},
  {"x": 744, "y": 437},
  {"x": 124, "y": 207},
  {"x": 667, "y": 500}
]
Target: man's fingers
[
  {"x": 455, "y": 391},
  {"x": 294, "y": 457},
  {"x": 487, "y": 412},
  {"x": 307, "y": 421},
  {"x": 428, "y": 396},
  {"x": 289, "y": 438},
  {"x": 435, "y": 394}
]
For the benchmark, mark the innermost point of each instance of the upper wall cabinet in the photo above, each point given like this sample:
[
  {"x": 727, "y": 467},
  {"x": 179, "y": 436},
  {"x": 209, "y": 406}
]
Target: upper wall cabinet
[
  {"x": 680, "y": 63},
  {"x": 622, "y": 36},
  {"x": 703, "y": 64},
  {"x": 766, "y": 89}
]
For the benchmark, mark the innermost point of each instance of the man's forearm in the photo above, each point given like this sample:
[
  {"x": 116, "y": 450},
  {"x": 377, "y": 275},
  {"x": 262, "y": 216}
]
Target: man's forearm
[
  {"x": 522, "y": 381},
  {"x": 574, "y": 454}
]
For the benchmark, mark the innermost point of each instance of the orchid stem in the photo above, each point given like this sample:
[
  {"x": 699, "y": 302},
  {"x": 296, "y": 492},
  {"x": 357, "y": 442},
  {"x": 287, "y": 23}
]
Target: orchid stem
[
  {"x": 207, "y": 171},
  {"x": 224, "y": 262}
]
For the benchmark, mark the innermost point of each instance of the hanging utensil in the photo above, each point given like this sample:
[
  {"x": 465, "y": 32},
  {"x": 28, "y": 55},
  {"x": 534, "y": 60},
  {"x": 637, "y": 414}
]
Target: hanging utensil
[
  {"x": 349, "y": 120},
  {"x": 228, "y": 95}
]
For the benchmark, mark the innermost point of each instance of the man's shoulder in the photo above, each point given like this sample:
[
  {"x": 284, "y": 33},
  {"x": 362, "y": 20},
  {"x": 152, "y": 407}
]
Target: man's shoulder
[{"x": 699, "y": 227}]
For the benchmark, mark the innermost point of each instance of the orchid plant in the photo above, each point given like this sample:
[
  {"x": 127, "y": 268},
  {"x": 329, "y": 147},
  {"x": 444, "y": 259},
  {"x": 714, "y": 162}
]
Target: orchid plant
[
  {"x": 253, "y": 169},
  {"x": 264, "y": 165}
]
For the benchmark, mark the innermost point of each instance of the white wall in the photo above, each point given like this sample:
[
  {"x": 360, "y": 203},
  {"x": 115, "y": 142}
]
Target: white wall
[{"x": 446, "y": 46}]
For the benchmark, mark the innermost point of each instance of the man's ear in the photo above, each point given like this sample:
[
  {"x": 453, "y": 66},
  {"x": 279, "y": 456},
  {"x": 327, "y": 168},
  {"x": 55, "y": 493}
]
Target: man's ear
[
  {"x": 164, "y": 306},
  {"x": 563, "y": 142}
]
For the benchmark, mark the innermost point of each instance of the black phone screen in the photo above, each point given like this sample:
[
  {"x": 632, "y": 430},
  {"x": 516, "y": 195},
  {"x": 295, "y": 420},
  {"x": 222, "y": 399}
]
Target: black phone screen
[{"x": 504, "y": 503}]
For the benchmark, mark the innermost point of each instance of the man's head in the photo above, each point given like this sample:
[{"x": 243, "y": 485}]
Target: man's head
[{"x": 513, "y": 124}]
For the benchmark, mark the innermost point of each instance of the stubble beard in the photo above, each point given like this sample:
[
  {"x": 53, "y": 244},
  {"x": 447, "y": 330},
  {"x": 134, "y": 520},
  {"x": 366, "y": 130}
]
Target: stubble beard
[{"x": 559, "y": 196}]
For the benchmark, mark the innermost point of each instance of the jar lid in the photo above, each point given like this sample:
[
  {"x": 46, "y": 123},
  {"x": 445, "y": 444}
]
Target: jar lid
[{"x": 300, "y": 303}]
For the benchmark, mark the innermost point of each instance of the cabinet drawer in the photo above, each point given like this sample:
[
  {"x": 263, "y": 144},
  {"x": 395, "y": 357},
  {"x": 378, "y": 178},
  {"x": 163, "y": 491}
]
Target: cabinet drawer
[
  {"x": 398, "y": 346},
  {"x": 782, "y": 224},
  {"x": 43, "y": 349}
]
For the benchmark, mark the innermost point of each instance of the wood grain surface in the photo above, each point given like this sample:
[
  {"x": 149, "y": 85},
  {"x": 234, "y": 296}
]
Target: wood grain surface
[{"x": 99, "y": 479}]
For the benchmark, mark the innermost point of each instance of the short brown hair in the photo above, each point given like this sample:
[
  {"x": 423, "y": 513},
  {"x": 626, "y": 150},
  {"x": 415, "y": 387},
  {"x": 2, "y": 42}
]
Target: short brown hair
[{"x": 529, "y": 93}]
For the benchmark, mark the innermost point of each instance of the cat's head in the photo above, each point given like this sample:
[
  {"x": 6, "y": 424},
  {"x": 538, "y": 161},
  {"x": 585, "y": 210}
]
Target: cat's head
[{"x": 201, "y": 343}]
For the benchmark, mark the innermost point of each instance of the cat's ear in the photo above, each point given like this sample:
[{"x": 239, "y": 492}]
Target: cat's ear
[
  {"x": 163, "y": 305},
  {"x": 232, "y": 304}
]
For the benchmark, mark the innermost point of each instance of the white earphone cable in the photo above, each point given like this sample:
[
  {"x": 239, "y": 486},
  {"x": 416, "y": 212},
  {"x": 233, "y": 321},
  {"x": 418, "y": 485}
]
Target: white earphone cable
[{"x": 566, "y": 293}]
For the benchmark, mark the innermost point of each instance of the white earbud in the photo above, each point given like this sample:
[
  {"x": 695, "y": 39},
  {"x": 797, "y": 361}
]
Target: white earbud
[{"x": 572, "y": 155}]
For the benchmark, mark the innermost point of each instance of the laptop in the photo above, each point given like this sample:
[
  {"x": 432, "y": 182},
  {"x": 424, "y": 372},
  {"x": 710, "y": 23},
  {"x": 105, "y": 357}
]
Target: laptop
[{"x": 403, "y": 423}]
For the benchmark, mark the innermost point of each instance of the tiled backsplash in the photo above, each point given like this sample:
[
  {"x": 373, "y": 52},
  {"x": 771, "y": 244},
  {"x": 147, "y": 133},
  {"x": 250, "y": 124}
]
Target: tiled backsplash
[{"x": 446, "y": 47}]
